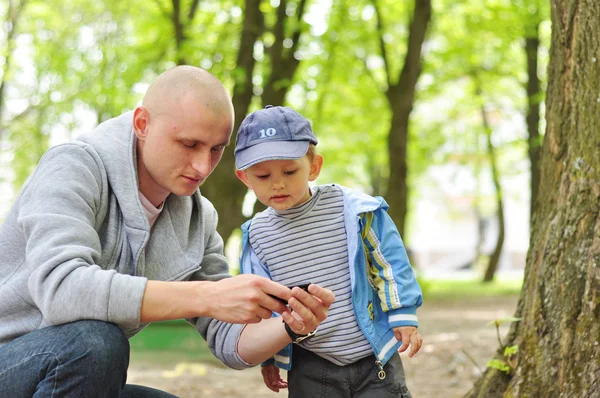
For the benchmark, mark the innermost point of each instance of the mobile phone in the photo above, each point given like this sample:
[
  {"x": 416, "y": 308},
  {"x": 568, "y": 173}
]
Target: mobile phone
[{"x": 303, "y": 286}]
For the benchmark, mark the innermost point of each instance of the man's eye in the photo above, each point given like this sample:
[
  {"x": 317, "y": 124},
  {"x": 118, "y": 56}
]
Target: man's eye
[
  {"x": 189, "y": 144},
  {"x": 218, "y": 148}
]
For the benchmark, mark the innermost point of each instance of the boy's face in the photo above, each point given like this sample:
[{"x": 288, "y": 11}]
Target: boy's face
[{"x": 282, "y": 184}]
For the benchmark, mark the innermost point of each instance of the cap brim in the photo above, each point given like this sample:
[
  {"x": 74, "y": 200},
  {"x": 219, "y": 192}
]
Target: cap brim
[{"x": 272, "y": 150}]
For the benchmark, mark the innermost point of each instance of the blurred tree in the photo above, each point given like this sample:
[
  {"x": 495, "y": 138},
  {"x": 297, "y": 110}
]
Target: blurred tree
[
  {"x": 557, "y": 337},
  {"x": 269, "y": 30},
  {"x": 534, "y": 13},
  {"x": 484, "y": 74},
  {"x": 12, "y": 11},
  {"x": 223, "y": 188},
  {"x": 492, "y": 265},
  {"x": 400, "y": 93}
]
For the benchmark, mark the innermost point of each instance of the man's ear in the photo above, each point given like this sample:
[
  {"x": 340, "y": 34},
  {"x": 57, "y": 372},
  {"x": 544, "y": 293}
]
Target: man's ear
[
  {"x": 241, "y": 174},
  {"x": 315, "y": 167},
  {"x": 141, "y": 119}
]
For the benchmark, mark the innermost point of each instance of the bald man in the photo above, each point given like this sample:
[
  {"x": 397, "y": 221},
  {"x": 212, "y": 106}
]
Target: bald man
[{"x": 110, "y": 233}]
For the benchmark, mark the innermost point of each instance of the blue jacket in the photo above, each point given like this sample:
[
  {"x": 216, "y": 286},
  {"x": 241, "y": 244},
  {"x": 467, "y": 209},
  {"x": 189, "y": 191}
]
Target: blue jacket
[{"x": 385, "y": 292}]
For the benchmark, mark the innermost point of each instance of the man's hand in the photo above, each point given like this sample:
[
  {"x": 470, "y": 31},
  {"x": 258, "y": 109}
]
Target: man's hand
[
  {"x": 243, "y": 298},
  {"x": 409, "y": 335},
  {"x": 272, "y": 378},
  {"x": 239, "y": 299},
  {"x": 261, "y": 341},
  {"x": 309, "y": 309}
]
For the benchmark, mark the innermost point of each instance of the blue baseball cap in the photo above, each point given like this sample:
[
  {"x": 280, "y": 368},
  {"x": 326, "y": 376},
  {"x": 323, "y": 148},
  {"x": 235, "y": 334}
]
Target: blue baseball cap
[{"x": 272, "y": 133}]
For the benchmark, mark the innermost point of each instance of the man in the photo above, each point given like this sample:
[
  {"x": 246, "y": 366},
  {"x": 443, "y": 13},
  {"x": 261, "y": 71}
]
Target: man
[{"x": 102, "y": 234}]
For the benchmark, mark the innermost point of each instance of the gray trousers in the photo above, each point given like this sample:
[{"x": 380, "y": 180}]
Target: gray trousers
[{"x": 314, "y": 377}]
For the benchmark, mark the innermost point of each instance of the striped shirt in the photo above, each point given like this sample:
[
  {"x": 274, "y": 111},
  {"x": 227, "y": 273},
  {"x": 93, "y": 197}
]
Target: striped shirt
[{"x": 306, "y": 244}]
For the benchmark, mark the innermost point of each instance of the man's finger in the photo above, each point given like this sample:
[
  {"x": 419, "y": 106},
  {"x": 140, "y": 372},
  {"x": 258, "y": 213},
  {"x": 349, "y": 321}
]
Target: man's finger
[{"x": 276, "y": 296}]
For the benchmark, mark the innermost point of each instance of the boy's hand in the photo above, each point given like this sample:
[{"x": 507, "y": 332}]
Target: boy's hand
[
  {"x": 408, "y": 335},
  {"x": 272, "y": 379}
]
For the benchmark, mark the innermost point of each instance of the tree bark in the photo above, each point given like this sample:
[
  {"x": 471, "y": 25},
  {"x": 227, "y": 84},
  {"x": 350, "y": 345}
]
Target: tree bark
[
  {"x": 400, "y": 96},
  {"x": 559, "y": 332},
  {"x": 223, "y": 188}
]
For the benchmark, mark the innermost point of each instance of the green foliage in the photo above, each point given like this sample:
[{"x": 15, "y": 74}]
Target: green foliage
[
  {"x": 511, "y": 350},
  {"x": 83, "y": 59},
  {"x": 506, "y": 365},
  {"x": 499, "y": 365}
]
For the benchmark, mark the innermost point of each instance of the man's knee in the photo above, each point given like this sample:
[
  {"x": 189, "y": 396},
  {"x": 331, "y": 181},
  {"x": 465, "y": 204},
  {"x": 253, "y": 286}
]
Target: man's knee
[
  {"x": 76, "y": 359},
  {"x": 101, "y": 343}
]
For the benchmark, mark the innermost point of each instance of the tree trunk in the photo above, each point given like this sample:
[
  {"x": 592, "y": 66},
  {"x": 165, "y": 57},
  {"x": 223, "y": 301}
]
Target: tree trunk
[
  {"x": 492, "y": 266},
  {"x": 532, "y": 44},
  {"x": 400, "y": 98},
  {"x": 559, "y": 332},
  {"x": 282, "y": 60},
  {"x": 223, "y": 188}
]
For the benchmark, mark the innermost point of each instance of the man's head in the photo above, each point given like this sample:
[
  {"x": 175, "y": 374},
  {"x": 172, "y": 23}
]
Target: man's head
[
  {"x": 184, "y": 123},
  {"x": 275, "y": 156}
]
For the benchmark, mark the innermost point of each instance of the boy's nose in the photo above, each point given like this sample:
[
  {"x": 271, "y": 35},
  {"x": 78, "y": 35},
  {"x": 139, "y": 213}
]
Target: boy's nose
[{"x": 278, "y": 183}]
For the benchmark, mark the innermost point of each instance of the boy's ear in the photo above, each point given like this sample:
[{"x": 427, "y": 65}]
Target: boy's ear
[
  {"x": 241, "y": 174},
  {"x": 315, "y": 167}
]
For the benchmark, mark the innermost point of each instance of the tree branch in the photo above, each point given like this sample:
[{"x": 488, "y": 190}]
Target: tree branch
[
  {"x": 380, "y": 30},
  {"x": 193, "y": 9}
]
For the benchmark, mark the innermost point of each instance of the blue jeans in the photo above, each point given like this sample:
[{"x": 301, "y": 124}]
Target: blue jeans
[{"x": 79, "y": 359}]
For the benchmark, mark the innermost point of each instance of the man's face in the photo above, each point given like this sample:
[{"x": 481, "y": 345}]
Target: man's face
[
  {"x": 281, "y": 184},
  {"x": 179, "y": 150}
]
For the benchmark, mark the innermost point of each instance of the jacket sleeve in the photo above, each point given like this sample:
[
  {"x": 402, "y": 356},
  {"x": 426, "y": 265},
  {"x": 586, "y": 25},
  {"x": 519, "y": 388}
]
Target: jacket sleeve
[
  {"x": 250, "y": 263},
  {"x": 222, "y": 337},
  {"x": 57, "y": 215},
  {"x": 389, "y": 269}
]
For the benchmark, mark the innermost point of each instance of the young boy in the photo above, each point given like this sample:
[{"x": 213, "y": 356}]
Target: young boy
[{"x": 341, "y": 239}]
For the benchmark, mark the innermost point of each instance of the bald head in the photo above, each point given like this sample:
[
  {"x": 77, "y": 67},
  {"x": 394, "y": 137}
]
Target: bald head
[{"x": 182, "y": 84}]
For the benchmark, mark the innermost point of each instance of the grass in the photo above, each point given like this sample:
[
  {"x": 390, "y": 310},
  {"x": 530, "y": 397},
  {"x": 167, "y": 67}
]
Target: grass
[
  {"x": 172, "y": 341},
  {"x": 470, "y": 288}
]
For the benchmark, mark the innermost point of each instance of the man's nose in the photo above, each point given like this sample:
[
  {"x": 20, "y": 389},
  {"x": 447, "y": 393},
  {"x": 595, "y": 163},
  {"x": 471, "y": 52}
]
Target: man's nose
[{"x": 202, "y": 163}]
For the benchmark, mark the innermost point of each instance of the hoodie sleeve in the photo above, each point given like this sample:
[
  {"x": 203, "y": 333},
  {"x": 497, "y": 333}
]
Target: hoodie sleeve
[
  {"x": 222, "y": 337},
  {"x": 389, "y": 269},
  {"x": 57, "y": 213}
]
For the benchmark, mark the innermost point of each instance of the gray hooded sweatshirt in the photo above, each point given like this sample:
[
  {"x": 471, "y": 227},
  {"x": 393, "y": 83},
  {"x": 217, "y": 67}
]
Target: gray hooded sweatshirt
[{"x": 77, "y": 243}]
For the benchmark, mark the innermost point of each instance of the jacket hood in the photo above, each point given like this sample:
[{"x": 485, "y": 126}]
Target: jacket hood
[{"x": 115, "y": 143}]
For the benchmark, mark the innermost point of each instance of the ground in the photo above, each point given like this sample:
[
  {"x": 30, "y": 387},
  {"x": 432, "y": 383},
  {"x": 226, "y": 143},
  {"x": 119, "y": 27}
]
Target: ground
[{"x": 456, "y": 334}]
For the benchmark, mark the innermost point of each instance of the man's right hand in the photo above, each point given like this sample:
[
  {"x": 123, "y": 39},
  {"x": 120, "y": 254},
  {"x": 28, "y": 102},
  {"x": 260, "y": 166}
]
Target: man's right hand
[
  {"x": 242, "y": 298},
  {"x": 239, "y": 299}
]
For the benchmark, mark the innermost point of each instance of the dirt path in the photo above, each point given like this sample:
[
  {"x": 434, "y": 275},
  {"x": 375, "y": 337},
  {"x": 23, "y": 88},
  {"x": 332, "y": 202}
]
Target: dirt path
[{"x": 441, "y": 369}]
